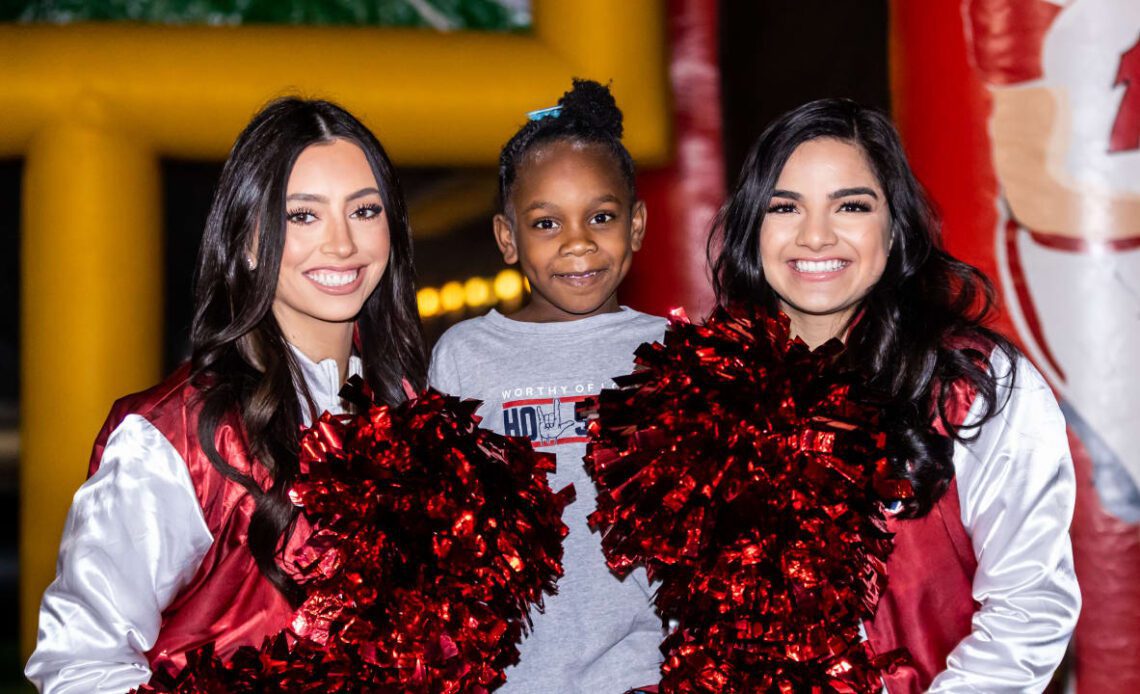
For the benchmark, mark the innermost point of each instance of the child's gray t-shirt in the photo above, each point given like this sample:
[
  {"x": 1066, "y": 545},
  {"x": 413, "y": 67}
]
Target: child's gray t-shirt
[{"x": 599, "y": 634}]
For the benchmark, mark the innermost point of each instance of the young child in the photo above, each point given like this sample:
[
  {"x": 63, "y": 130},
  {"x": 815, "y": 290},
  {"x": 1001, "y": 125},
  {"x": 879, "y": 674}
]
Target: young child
[{"x": 571, "y": 218}]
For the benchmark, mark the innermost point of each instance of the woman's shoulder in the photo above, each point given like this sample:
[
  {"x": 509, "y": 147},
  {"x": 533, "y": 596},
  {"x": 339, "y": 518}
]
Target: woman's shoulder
[
  {"x": 175, "y": 392},
  {"x": 1016, "y": 380},
  {"x": 977, "y": 343},
  {"x": 990, "y": 351},
  {"x": 976, "y": 369},
  {"x": 173, "y": 400}
]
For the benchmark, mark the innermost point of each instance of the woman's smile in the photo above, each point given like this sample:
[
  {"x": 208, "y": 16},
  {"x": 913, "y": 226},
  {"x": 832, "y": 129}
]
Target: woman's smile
[{"x": 336, "y": 281}]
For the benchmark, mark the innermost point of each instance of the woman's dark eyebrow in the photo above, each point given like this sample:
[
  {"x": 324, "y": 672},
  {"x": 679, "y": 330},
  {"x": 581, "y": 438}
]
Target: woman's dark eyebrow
[
  {"x": 312, "y": 197},
  {"x": 307, "y": 197},
  {"x": 845, "y": 192},
  {"x": 778, "y": 193},
  {"x": 362, "y": 193}
]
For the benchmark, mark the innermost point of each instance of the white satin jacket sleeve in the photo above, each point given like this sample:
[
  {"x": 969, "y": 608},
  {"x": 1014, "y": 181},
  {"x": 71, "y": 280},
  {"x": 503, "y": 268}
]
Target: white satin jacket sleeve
[
  {"x": 135, "y": 536},
  {"x": 1017, "y": 489}
]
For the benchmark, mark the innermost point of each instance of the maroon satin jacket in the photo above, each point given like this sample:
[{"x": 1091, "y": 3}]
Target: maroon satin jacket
[
  {"x": 228, "y": 601},
  {"x": 928, "y": 604}
]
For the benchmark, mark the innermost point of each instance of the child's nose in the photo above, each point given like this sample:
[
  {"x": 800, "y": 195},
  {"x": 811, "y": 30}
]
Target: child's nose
[{"x": 578, "y": 239}]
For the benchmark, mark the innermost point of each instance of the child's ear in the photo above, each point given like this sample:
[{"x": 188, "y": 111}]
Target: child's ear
[
  {"x": 505, "y": 238},
  {"x": 637, "y": 225}
]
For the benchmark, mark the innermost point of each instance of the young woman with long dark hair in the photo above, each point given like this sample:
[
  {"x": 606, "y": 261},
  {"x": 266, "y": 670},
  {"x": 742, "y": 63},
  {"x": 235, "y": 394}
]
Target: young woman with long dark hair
[
  {"x": 184, "y": 535},
  {"x": 828, "y": 225}
]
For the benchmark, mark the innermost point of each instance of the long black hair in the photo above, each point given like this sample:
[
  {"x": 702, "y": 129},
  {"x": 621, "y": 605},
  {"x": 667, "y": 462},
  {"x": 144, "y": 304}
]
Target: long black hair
[
  {"x": 240, "y": 360},
  {"x": 921, "y": 328},
  {"x": 586, "y": 114}
]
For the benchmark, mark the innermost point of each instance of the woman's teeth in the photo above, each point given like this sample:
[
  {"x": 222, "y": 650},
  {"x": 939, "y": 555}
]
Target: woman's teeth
[
  {"x": 820, "y": 265},
  {"x": 328, "y": 278}
]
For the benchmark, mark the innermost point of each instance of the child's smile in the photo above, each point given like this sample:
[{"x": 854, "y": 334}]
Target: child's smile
[
  {"x": 581, "y": 279},
  {"x": 573, "y": 226}
]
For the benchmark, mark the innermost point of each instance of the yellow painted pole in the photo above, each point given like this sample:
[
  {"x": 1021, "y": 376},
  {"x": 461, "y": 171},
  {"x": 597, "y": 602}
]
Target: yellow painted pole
[{"x": 91, "y": 314}]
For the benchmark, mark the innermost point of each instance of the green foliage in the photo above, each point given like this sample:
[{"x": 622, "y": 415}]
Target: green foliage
[{"x": 479, "y": 15}]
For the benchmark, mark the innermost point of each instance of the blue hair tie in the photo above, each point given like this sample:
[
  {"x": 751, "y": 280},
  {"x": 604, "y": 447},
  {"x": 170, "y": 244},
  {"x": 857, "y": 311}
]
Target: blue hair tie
[{"x": 541, "y": 113}]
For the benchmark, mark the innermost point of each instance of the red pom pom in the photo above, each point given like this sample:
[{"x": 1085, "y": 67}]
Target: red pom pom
[
  {"x": 736, "y": 466},
  {"x": 431, "y": 540}
]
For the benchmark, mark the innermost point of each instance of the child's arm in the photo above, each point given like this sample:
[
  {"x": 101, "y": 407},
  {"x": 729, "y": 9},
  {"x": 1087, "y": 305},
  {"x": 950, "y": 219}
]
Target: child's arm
[
  {"x": 135, "y": 535},
  {"x": 1017, "y": 491}
]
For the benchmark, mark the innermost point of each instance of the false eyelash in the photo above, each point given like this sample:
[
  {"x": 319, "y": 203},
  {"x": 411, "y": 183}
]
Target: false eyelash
[
  {"x": 299, "y": 211},
  {"x": 370, "y": 206}
]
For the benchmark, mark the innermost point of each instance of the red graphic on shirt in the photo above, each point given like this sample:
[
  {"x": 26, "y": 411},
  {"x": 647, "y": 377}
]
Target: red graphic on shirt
[{"x": 1126, "y": 128}]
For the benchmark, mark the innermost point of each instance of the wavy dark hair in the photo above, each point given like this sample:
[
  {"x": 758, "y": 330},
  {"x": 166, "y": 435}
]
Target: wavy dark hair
[
  {"x": 588, "y": 114},
  {"x": 921, "y": 328},
  {"x": 240, "y": 360}
]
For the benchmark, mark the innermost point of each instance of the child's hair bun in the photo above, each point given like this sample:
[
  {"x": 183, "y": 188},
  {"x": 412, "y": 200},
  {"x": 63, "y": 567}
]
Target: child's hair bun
[
  {"x": 585, "y": 114},
  {"x": 592, "y": 104}
]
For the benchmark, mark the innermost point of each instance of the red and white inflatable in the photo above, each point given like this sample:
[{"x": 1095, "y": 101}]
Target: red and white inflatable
[{"x": 1022, "y": 117}]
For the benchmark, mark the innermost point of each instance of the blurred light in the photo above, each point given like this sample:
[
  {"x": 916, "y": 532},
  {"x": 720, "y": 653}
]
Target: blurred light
[
  {"x": 452, "y": 296},
  {"x": 428, "y": 301},
  {"x": 508, "y": 285},
  {"x": 477, "y": 291}
]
